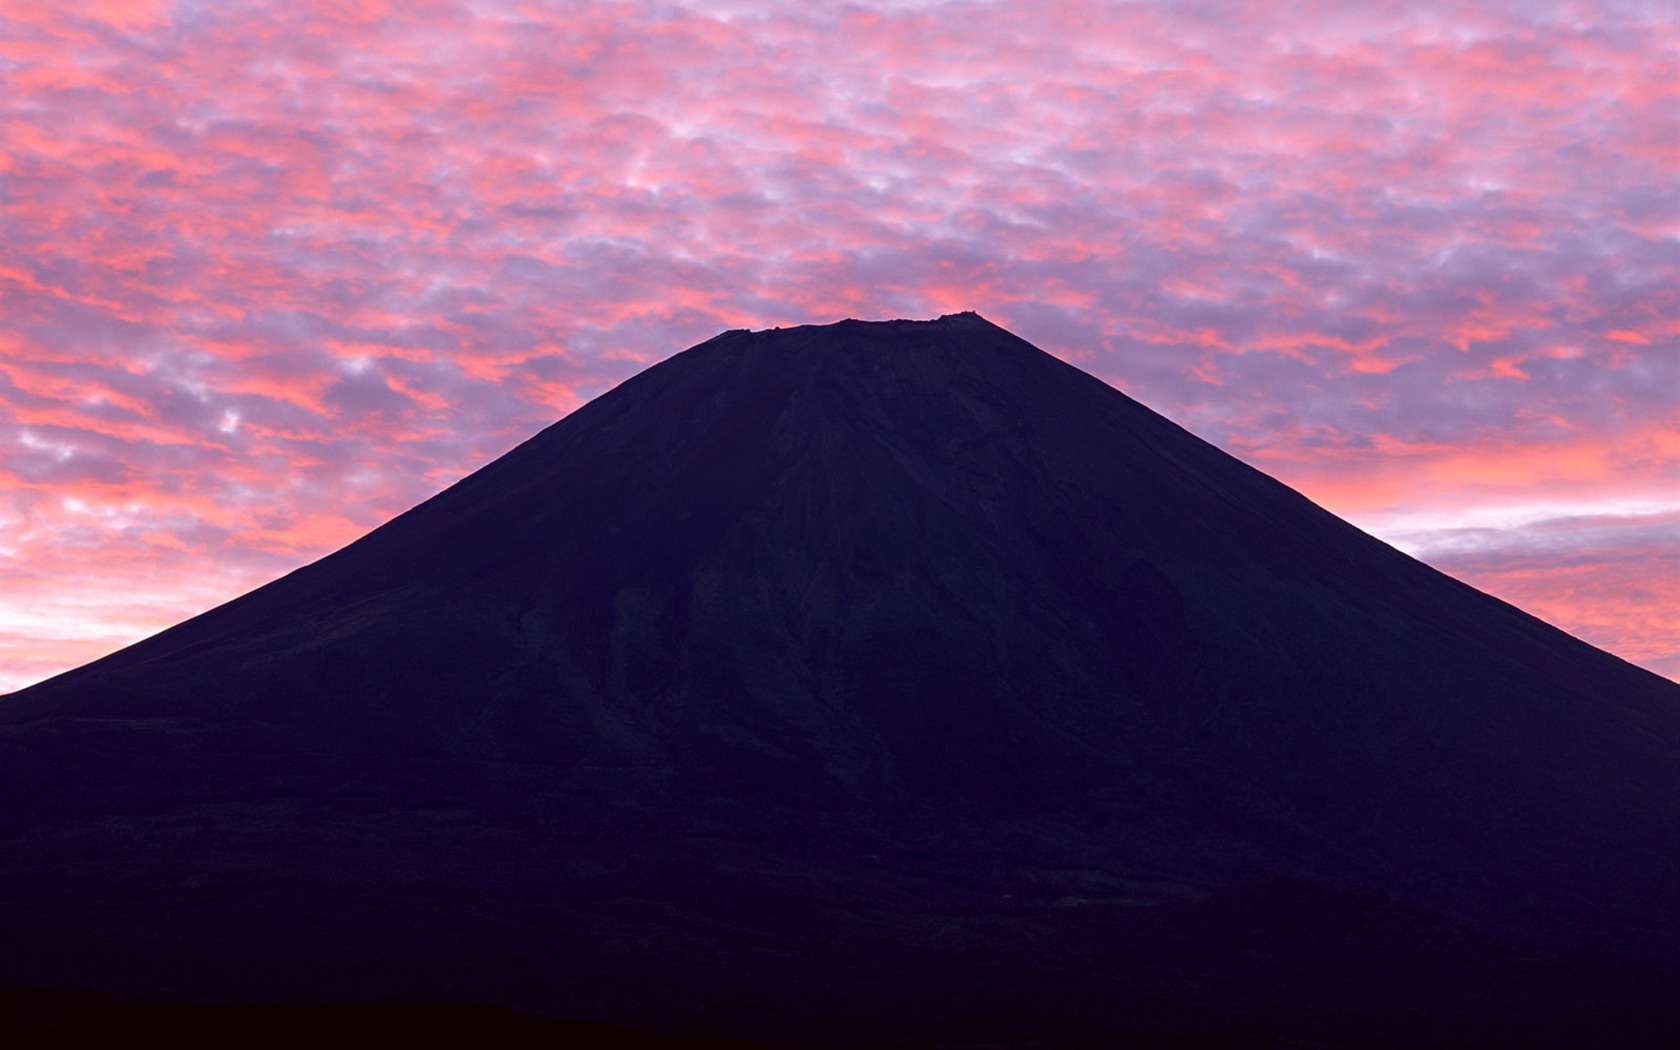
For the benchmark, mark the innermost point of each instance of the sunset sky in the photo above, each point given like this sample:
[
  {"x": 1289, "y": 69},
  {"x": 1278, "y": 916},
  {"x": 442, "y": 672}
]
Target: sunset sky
[{"x": 274, "y": 272}]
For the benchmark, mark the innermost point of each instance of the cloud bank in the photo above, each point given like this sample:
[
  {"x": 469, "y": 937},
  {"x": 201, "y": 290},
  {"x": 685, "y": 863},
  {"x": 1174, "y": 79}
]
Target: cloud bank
[{"x": 274, "y": 272}]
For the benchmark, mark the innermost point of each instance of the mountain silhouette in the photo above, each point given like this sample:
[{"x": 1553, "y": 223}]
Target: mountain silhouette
[{"x": 862, "y": 682}]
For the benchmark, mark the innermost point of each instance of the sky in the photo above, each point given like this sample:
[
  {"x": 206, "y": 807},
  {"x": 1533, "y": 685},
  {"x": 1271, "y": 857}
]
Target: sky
[{"x": 271, "y": 273}]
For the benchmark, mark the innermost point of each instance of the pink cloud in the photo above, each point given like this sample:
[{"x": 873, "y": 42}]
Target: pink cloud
[{"x": 278, "y": 271}]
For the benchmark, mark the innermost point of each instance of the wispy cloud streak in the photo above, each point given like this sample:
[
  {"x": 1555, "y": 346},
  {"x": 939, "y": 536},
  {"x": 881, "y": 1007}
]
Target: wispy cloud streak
[{"x": 274, "y": 272}]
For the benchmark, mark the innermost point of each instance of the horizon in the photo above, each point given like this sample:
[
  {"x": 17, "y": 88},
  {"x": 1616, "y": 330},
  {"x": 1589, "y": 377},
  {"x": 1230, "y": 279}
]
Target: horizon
[{"x": 279, "y": 275}]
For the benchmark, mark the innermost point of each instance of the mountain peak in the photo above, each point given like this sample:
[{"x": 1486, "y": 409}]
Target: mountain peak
[{"x": 870, "y": 623}]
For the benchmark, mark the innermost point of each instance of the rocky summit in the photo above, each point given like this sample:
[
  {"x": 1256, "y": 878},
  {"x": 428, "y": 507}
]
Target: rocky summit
[{"x": 869, "y": 683}]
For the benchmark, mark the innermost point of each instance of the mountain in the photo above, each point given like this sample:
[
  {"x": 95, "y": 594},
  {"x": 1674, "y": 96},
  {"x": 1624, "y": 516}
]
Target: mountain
[{"x": 855, "y": 682}]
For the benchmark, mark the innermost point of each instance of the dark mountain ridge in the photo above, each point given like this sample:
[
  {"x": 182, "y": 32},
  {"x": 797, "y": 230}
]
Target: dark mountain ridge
[{"x": 901, "y": 640}]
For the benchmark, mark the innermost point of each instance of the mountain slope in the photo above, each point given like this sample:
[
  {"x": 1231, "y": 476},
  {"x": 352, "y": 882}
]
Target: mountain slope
[{"x": 852, "y": 631}]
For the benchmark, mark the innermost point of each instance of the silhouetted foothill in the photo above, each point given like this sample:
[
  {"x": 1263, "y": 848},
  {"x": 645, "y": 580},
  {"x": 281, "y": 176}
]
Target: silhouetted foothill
[{"x": 862, "y": 681}]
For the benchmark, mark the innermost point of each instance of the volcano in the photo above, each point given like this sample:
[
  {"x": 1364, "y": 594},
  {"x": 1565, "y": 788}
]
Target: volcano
[{"x": 865, "y": 683}]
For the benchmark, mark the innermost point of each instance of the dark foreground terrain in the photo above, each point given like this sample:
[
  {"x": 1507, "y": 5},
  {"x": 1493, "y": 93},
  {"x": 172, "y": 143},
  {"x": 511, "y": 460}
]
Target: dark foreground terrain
[
  {"x": 1266, "y": 965},
  {"x": 39, "y": 1019},
  {"x": 866, "y": 684}
]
